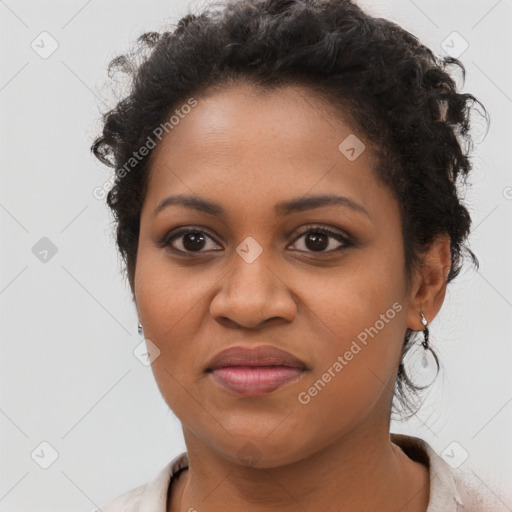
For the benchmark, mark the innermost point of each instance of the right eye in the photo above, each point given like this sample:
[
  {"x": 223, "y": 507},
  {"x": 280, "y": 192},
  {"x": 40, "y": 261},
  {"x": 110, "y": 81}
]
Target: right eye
[{"x": 190, "y": 240}]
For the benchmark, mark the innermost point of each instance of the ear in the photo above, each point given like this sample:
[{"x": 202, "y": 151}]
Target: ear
[{"x": 429, "y": 285}]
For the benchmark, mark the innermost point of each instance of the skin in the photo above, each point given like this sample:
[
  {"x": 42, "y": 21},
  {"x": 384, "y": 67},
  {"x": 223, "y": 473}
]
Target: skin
[{"x": 247, "y": 151}]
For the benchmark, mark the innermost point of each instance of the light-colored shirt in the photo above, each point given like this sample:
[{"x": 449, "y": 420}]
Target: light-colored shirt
[{"x": 448, "y": 491}]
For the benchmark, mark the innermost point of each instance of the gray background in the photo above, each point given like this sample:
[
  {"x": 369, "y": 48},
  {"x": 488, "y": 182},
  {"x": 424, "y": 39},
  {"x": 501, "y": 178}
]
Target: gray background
[{"x": 68, "y": 374}]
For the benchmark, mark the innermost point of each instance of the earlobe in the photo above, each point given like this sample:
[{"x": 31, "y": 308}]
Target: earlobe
[{"x": 427, "y": 295}]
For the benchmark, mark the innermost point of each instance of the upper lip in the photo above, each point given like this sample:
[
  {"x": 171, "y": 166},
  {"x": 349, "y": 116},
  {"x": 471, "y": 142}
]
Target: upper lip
[{"x": 264, "y": 355}]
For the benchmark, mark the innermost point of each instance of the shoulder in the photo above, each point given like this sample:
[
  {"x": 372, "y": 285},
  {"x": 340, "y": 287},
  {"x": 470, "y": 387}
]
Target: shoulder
[
  {"x": 477, "y": 496},
  {"x": 151, "y": 496},
  {"x": 451, "y": 488},
  {"x": 126, "y": 502}
]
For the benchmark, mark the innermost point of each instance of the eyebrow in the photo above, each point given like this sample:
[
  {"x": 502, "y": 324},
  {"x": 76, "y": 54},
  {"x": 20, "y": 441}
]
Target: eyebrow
[{"x": 283, "y": 208}]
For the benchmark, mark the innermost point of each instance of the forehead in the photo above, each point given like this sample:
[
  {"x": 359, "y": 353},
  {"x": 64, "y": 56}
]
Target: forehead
[
  {"x": 242, "y": 118},
  {"x": 248, "y": 144}
]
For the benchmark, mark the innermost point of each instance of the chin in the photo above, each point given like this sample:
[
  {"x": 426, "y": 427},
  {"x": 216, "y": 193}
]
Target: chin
[{"x": 263, "y": 452}]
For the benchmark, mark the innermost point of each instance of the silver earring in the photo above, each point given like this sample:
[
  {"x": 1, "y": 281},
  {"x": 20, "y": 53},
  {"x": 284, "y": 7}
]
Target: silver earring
[
  {"x": 421, "y": 362},
  {"x": 139, "y": 328},
  {"x": 425, "y": 332},
  {"x": 424, "y": 361}
]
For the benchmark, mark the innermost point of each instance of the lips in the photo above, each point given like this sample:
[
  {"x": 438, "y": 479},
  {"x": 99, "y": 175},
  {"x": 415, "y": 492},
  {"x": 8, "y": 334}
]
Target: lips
[
  {"x": 256, "y": 371},
  {"x": 265, "y": 355}
]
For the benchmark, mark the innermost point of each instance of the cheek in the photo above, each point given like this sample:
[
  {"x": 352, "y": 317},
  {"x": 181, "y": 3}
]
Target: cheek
[
  {"x": 358, "y": 316},
  {"x": 166, "y": 292},
  {"x": 358, "y": 296},
  {"x": 169, "y": 305},
  {"x": 354, "y": 371},
  {"x": 173, "y": 303},
  {"x": 362, "y": 346}
]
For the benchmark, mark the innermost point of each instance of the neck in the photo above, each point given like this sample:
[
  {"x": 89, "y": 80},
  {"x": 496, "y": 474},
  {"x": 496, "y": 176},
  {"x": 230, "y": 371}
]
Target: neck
[{"x": 361, "y": 471}]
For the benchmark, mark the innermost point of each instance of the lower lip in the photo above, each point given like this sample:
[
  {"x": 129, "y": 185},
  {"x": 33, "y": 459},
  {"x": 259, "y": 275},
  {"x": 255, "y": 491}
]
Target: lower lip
[{"x": 254, "y": 380}]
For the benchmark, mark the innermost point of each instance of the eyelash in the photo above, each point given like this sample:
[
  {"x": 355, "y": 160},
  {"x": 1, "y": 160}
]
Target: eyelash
[{"x": 347, "y": 242}]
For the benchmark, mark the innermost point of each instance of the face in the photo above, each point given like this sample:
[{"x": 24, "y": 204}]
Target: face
[{"x": 263, "y": 274}]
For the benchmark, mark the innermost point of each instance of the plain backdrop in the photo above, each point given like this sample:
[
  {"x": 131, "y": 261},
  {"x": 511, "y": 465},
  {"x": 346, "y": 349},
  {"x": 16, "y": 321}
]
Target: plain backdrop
[{"x": 69, "y": 378}]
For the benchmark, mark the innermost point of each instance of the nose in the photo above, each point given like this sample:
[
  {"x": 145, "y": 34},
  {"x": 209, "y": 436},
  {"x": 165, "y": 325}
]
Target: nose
[{"x": 251, "y": 294}]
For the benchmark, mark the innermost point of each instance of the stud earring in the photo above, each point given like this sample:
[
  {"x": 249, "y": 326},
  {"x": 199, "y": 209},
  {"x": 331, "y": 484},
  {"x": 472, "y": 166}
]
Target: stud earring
[{"x": 139, "y": 328}]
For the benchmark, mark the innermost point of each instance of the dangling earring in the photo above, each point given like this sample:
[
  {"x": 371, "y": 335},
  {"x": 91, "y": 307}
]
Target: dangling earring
[
  {"x": 139, "y": 328},
  {"x": 424, "y": 361}
]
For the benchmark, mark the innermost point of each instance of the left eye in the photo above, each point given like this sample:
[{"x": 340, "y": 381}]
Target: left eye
[{"x": 316, "y": 239}]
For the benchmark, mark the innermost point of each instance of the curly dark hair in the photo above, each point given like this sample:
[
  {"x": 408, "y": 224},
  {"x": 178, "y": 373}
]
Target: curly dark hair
[{"x": 392, "y": 88}]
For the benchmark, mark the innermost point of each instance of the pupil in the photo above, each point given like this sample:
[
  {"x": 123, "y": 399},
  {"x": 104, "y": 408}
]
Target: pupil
[
  {"x": 190, "y": 241},
  {"x": 318, "y": 241}
]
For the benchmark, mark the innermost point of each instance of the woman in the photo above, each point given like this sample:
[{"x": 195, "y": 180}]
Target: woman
[{"x": 287, "y": 207}]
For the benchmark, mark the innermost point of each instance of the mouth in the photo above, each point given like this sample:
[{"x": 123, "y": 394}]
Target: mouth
[{"x": 256, "y": 371}]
